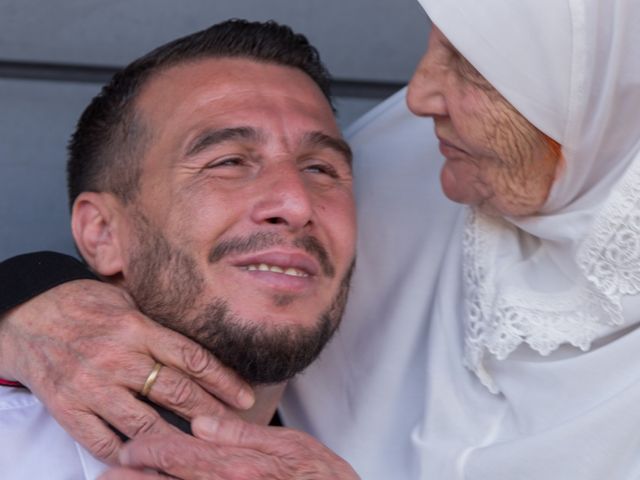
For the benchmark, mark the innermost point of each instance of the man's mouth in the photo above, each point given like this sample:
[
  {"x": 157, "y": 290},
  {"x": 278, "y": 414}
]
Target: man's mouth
[
  {"x": 284, "y": 270},
  {"x": 282, "y": 261},
  {"x": 263, "y": 267},
  {"x": 269, "y": 252}
]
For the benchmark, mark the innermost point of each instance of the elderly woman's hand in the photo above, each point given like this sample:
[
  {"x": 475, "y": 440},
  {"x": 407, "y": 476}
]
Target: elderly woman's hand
[
  {"x": 85, "y": 351},
  {"x": 231, "y": 449}
]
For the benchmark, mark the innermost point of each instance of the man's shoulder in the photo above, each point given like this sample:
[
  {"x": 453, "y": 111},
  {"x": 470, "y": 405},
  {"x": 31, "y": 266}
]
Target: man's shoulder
[
  {"x": 24, "y": 276},
  {"x": 16, "y": 399},
  {"x": 34, "y": 445}
]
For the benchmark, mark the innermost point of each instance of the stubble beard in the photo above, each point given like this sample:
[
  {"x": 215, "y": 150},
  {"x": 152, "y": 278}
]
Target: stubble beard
[{"x": 167, "y": 286}]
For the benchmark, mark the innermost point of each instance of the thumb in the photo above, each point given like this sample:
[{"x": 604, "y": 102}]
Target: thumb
[{"x": 230, "y": 432}]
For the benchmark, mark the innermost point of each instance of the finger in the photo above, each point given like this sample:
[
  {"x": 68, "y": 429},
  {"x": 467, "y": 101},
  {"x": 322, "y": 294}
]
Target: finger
[
  {"x": 183, "y": 396},
  {"x": 241, "y": 434},
  {"x": 176, "y": 454},
  {"x": 184, "y": 355},
  {"x": 192, "y": 458},
  {"x": 93, "y": 435},
  {"x": 267, "y": 450},
  {"x": 133, "y": 418},
  {"x": 112, "y": 406}
]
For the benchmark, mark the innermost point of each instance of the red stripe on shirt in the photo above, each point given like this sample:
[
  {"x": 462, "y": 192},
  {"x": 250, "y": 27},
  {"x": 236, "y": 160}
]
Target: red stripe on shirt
[{"x": 9, "y": 383}]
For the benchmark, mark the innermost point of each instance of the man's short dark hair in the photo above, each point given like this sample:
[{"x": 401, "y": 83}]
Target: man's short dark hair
[{"x": 110, "y": 138}]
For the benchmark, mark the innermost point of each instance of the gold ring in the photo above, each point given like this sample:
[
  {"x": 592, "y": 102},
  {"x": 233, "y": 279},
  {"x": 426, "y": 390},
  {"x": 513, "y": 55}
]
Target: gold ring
[{"x": 151, "y": 379}]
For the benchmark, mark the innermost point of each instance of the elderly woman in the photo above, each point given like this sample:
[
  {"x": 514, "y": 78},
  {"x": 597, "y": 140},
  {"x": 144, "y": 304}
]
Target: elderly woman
[
  {"x": 535, "y": 105},
  {"x": 495, "y": 341}
]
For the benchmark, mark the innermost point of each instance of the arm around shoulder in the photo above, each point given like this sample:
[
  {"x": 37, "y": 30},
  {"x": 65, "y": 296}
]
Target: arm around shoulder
[{"x": 83, "y": 348}]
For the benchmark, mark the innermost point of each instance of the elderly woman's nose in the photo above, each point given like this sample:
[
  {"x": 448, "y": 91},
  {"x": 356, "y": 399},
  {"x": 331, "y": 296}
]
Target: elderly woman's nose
[{"x": 425, "y": 96}]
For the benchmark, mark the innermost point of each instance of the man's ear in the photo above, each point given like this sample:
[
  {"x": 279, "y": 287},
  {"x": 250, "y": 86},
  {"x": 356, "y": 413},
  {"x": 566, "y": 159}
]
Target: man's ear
[{"x": 98, "y": 228}]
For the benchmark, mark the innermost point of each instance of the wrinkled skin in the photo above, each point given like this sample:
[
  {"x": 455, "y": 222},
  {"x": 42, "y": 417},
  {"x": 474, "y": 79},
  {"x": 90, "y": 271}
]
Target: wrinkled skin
[
  {"x": 231, "y": 450},
  {"x": 495, "y": 159},
  {"x": 79, "y": 371}
]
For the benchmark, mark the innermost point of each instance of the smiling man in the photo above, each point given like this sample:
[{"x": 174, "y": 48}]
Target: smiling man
[
  {"x": 210, "y": 181},
  {"x": 241, "y": 231}
]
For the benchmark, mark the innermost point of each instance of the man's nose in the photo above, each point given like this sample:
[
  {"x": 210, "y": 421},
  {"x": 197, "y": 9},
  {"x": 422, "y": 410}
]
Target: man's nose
[
  {"x": 284, "y": 199},
  {"x": 425, "y": 96}
]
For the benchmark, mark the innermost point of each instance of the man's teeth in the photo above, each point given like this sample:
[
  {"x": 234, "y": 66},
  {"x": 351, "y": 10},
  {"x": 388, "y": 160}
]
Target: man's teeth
[{"x": 263, "y": 267}]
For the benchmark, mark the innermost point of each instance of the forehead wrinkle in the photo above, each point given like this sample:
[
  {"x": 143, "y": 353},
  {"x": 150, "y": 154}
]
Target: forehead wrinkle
[{"x": 211, "y": 137}]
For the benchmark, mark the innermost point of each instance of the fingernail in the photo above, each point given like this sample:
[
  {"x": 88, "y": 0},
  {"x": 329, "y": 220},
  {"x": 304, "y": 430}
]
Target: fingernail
[{"x": 245, "y": 399}]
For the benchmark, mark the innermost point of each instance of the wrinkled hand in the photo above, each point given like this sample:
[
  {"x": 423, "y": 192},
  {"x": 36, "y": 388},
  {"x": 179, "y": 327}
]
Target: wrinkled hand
[
  {"x": 85, "y": 351},
  {"x": 231, "y": 449}
]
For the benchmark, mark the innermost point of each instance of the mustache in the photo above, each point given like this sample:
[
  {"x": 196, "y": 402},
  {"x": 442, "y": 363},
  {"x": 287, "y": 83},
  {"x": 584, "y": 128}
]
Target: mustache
[{"x": 261, "y": 240}]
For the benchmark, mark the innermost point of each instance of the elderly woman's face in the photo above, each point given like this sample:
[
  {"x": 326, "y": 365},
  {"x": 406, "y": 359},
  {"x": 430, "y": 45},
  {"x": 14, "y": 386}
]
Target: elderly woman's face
[{"x": 494, "y": 158}]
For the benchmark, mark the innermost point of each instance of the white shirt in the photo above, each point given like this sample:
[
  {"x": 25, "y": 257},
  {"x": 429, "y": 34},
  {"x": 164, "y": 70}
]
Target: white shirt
[{"x": 33, "y": 445}]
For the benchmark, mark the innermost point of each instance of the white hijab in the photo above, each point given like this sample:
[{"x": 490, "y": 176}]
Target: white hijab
[
  {"x": 572, "y": 68},
  {"x": 542, "y": 310}
]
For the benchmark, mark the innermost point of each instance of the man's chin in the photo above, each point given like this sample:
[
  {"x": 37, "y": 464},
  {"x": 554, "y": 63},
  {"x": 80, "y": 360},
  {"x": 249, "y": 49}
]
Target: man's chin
[
  {"x": 266, "y": 351},
  {"x": 276, "y": 317}
]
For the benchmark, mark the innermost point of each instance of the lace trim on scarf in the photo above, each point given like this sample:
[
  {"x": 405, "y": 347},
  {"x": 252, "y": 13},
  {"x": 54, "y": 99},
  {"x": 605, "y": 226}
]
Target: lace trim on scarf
[{"x": 609, "y": 260}]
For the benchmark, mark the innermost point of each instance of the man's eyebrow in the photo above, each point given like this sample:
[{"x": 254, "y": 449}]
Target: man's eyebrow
[
  {"x": 209, "y": 138},
  {"x": 322, "y": 140}
]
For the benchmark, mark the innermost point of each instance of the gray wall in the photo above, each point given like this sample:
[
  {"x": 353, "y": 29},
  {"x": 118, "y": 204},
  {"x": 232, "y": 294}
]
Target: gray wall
[{"x": 49, "y": 51}]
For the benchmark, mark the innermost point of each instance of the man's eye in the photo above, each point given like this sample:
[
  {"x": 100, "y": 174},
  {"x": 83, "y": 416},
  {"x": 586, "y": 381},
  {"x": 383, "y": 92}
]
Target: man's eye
[
  {"x": 322, "y": 169},
  {"x": 225, "y": 162}
]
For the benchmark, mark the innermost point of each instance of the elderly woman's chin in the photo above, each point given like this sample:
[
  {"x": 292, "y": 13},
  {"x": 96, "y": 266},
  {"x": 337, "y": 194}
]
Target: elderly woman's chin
[
  {"x": 461, "y": 182},
  {"x": 492, "y": 191}
]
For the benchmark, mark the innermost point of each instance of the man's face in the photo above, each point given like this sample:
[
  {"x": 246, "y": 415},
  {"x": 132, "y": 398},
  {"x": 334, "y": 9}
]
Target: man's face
[
  {"x": 494, "y": 158},
  {"x": 243, "y": 233}
]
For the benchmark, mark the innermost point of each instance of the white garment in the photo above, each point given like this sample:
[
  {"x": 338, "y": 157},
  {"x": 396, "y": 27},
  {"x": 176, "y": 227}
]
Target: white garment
[
  {"x": 560, "y": 277},
  {"x": 33, "y": 445},
  {"x": 550, "y": 306}
]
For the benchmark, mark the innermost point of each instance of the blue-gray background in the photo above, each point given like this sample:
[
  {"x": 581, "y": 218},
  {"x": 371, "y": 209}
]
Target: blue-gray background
[{"x": 370, "y": 46}]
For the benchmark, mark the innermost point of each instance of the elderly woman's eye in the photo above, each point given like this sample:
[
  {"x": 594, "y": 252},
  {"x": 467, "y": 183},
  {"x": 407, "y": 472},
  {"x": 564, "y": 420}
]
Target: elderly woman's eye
[{"x": 470, "y": 73}]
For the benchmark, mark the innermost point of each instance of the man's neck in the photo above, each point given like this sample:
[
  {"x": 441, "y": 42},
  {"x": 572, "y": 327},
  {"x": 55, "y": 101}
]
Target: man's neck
[{"x": 267, "y": 399}]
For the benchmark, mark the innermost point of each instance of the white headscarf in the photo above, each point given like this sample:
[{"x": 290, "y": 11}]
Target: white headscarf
[
  {"x": 514, "y": 297},
  {"x": 572, "y": 68}
]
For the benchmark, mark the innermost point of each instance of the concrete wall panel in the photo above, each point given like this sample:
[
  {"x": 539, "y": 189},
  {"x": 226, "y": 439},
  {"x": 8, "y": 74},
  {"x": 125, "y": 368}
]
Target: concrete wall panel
[{"x": 362, "y": 39}]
